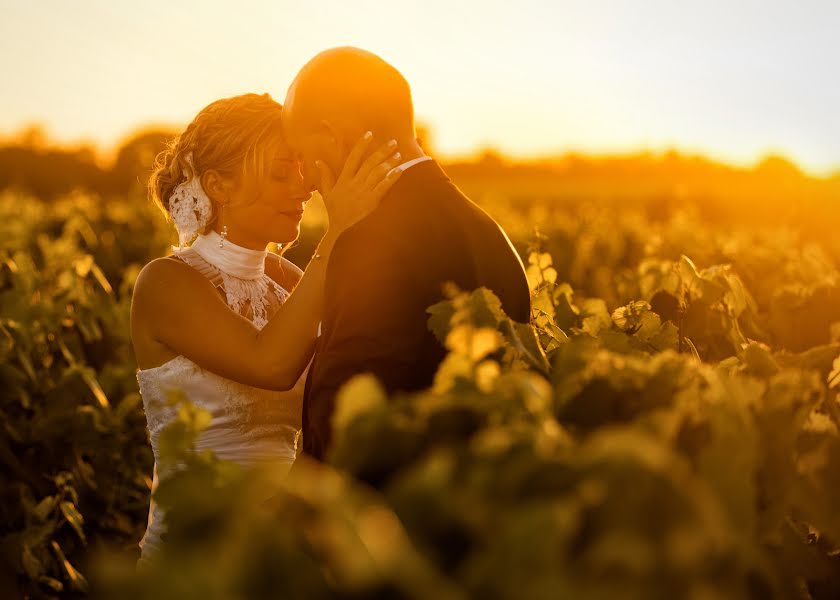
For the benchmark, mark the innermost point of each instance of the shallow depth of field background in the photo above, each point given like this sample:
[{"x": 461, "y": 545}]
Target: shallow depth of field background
[{"x": 669, "y": 428}]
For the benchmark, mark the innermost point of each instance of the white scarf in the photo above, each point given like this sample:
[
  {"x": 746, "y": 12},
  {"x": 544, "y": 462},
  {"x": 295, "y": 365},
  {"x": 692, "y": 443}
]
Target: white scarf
[
  {"x": 242, "y": 271},
  {"x": 231, "y": 259}
]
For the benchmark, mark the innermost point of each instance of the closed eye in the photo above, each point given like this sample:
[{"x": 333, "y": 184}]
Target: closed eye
[{"x": 280, "y": 169}]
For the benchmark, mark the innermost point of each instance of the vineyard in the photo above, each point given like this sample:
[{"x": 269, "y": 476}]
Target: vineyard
[{"x": 667, "y": 426}]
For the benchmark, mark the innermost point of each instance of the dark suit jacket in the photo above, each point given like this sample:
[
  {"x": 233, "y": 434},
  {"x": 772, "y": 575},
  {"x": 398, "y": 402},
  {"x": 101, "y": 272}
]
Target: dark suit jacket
[{"x": 384, "y": 272}]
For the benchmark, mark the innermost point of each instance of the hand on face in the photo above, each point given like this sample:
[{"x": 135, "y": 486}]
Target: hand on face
[{"x": 363, "y": 181}]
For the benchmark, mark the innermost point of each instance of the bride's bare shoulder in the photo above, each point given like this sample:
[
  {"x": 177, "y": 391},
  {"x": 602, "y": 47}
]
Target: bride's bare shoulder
[
  {"x": 283, "y": 271},
  {"x": 166, "y": 274}
]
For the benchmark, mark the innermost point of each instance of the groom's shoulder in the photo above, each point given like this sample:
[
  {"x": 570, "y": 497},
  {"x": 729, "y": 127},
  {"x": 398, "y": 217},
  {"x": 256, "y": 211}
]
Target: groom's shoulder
[
  {"x": 378, "y": 230},
  {"x": 426, "y": 197},
  {"x": 421, "y": 208}
]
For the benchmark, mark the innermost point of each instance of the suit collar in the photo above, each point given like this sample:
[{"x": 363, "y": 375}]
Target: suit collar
[{"x": 407, "y": 165}]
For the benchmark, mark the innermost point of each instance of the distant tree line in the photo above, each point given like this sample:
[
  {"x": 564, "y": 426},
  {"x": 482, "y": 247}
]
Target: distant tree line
[
  {"x": 29, "y": 162},
  {"x": 50, "y": 171}
]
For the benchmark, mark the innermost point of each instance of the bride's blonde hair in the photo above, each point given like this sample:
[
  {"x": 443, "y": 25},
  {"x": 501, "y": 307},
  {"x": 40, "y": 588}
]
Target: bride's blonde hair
[{"x": 228, "y": 135}]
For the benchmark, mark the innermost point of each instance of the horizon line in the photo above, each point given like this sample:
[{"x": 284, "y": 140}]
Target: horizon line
[{"x": 105, "y": 151}]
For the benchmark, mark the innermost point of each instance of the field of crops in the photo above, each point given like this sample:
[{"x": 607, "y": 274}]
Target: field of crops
[{"x": 666, "y": 427}]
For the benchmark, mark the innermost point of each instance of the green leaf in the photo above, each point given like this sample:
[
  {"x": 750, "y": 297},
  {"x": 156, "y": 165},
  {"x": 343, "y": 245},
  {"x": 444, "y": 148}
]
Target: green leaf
[
  {"x": 77, "y": 580},
  {"x": 667, "y": 337},
  {"x": 89, "y": 377},
  {"x": 539, "y": 271},
  {"x": 31, "y": 565},
  {"x": 474, "y": 343},
  {"x": 74, "y": 517},
  {"x": 486, "y": 373},
  {"x": 758, "y": 360},
  {"x": 128, "y": 406},
  {"x": 649, "y": 325},
  {"x": 542, "y": 303},
  {"x": 26, "y": 363},
  {"x": 83, "y": 265},
  {"x": 700, "y": 285},
  {"x": 177, "y": 440},
  {"x": 440, "y": 320},
  {"x": 485, "y": 308},
  {"x": 52, "y": 583},
  {"x": 7, "y": 343},
  {"x": 100, "y": 277},
  {"x": 834, "y": 376},
  {"x": 454, "y": 369},
  {"x": 594, "y": 316},
  {"x": 45, "y": 508},
  {"x": 526, "y": 340},
  {"x": 629, "y": 317},
  {"x": 567, "y": 314},
  {"x": 554, "y": 336},
  {"x": 362, "y": 393}
]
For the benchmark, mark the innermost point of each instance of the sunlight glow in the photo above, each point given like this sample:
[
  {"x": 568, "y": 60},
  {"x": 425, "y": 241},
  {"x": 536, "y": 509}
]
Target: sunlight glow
[{"x": 537, "y": 77}]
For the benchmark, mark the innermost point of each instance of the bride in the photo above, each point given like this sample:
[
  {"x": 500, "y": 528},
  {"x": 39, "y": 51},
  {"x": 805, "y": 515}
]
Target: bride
[{"x": 223, "y": 320}]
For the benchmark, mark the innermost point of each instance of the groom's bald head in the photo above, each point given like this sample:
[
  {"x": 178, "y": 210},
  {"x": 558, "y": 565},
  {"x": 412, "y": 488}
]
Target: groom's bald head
[
  {"x": 347, "y": 84},
  {"x": 342, "y": 93}
]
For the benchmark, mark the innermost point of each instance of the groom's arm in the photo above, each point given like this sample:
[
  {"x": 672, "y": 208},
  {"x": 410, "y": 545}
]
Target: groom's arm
[
  {"x": 370, "y": 310},
  {"x": 369, "y": 325}
]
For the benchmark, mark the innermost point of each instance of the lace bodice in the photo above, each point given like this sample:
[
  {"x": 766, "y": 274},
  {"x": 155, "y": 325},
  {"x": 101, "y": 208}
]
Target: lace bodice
[{"x": 249, "y": 425}]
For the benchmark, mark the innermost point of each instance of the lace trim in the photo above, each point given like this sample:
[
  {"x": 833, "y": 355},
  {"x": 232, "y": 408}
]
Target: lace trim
[
  {"x": 189, "y": 206},
  {"x": 248, "y": 297}
]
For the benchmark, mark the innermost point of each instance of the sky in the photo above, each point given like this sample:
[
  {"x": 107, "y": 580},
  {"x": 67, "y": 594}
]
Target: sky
[{"x": 734, "y": 80}]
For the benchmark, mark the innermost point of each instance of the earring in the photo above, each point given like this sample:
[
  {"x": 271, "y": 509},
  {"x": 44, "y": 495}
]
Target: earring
[{"x": 224, "y": 227}]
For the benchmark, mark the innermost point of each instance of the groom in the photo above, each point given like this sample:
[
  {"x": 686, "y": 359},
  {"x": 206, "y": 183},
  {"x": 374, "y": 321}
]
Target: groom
[{"x": 385, "y": 271}]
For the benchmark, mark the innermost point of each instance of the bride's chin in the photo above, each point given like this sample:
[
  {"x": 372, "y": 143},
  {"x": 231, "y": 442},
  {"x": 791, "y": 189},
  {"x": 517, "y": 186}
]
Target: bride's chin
[{"x": 285, "y": 235}]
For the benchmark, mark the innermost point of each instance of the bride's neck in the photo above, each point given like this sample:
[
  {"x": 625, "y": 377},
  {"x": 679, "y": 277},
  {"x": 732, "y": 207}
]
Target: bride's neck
[{"x": 239, "y": 240}]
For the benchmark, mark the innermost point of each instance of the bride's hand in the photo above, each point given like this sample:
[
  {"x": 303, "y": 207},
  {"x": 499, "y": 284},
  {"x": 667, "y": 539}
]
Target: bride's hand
[{"x": 361, "y": 184}]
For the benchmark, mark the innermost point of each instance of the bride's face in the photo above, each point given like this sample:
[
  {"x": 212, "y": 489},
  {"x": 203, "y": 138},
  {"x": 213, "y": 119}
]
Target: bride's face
[{"x": 267, "y": 208}]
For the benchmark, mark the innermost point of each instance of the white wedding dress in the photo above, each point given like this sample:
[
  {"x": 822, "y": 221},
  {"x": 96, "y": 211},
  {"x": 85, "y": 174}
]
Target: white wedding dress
[{"x": 250, "y": 426}]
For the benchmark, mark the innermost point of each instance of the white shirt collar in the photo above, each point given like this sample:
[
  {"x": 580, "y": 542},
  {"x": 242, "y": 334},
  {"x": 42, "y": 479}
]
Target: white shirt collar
[{"x": 407, "y": 165}]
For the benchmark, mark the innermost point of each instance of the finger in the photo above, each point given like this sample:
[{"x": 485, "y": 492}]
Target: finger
[
  {"x": 379, "y": 172},
  {"x": 327, "y": 177},
  {"x": 376, "y": 159},
  {"x": 354, "y": 159},
  {"x": 387, "y": 182}
]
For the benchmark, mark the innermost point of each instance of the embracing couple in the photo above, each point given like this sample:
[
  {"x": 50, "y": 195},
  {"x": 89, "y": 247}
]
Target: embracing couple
[{"x": 235, "y": 327}]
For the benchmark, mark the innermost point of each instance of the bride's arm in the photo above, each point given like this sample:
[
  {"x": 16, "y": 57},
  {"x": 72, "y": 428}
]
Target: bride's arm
[{"x": 223, "y": 342}]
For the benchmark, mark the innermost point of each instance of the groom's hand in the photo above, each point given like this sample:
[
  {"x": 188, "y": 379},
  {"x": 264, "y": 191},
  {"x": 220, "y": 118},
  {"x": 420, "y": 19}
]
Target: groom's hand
[
  {"x": 351, "y": 165},
  {"x": 361, "y": 184}
]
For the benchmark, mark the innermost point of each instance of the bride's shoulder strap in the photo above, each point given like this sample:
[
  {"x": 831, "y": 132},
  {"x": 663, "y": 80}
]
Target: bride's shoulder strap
[{"x": 192, "y": 258}]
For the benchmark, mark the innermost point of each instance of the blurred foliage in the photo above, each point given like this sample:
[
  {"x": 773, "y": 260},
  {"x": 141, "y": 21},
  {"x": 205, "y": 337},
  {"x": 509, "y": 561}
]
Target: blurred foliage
[
  {"x": 665, "y": 427},
  {"x": 75, "y": 458}
]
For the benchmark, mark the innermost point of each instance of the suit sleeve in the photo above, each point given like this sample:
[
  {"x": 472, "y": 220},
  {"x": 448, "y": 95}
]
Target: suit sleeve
[{"x": 370, "y": 323}]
